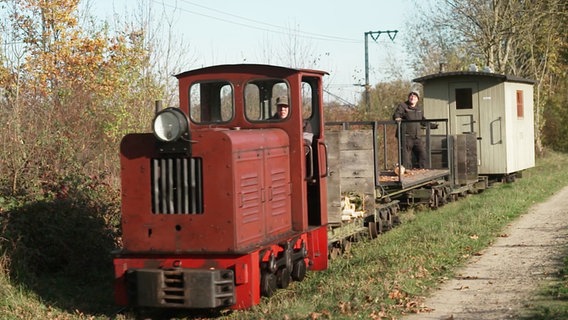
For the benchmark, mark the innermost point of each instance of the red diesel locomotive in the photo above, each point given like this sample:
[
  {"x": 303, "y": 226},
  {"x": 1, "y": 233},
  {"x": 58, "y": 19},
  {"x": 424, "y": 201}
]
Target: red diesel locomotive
[{"x": 224, "y": 203}]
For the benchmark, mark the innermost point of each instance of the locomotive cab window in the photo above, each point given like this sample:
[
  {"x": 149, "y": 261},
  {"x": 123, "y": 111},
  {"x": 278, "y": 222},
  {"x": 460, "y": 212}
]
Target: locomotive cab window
[
  {"x": 261, "y": 98},
  {"x": 308, "y": 98},
  {"x": 211, "y": 102}
]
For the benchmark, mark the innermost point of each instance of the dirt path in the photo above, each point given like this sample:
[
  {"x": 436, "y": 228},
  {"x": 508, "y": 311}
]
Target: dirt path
[{"x": 499, "y": 283}]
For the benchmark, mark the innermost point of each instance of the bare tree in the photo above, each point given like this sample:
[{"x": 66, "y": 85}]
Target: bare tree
[
  {"x": 432, "y": 41},
  {"x": 295, "y": 52},
  {"x": 168, "y": 53}
]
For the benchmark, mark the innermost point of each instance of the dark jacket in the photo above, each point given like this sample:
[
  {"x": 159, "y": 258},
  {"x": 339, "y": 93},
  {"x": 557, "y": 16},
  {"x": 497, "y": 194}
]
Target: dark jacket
[
  {"x": 306, "y": 127},
  {"x": 405, "y": 112}
]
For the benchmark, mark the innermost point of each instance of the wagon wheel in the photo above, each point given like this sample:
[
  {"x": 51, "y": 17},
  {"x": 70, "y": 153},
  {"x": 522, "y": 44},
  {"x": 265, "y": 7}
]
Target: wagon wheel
[
  {"x": 395, "y": 218},
  {"x": 441, "y": 197},
  {"x": 357, "y": 236},
  {"x": 383, "y": 220},
  {"x": 434, "y": 199},
  {"x": 346, "y": 246},
  {"x": 373, "y": 233},
  {"x": 386, "y": 218},
  {"x": 334, "y": 252},
  {"x": 380, "y": 227},
  {"x": 444, "y": 196}
]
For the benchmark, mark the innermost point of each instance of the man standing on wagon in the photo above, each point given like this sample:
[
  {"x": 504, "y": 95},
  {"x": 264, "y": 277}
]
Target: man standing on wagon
[{"x": 410, "y": 141}]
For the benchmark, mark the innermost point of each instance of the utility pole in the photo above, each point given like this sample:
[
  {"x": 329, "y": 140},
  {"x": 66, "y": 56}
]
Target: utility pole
[{"x": 374, "y": 35}]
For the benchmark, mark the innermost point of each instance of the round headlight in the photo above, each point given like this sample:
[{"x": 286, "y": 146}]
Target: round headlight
[{"x": 170, "y": 124}]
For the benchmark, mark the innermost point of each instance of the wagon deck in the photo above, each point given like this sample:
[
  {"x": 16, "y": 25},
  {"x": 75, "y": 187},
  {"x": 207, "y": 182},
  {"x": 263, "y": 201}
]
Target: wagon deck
[{"x": 411, "y": 178}]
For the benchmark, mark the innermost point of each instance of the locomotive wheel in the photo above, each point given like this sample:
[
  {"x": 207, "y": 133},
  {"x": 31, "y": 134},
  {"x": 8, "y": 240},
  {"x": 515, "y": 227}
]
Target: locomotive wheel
[
  {"x": 283, "y": 277},
  {"x": 268, "y": 284},
  {"x": 373, "y": 233},
  {"x": 299, "y": 270},
  {"x": 288, "y": 258}
]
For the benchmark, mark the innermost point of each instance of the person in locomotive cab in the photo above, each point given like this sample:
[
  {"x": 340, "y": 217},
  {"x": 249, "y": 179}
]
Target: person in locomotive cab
[
  {"x": 411, "y": 143},
  {"x": 282, "y": 108},
  {"x": 282, "y": 111}
]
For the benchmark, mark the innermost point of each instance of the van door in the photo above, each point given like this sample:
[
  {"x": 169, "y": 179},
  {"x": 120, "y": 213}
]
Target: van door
[{"x": 464, "y": 110}]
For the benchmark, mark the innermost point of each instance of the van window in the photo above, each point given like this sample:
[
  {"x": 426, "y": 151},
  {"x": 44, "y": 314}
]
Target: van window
[
  {"x": 520, "y": 105},
  {"x": 464, "y": 98}
]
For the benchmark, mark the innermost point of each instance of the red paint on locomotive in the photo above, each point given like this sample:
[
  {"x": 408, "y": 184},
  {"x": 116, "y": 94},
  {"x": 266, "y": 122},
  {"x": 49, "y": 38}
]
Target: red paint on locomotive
[{"x": 246, "y": 194}]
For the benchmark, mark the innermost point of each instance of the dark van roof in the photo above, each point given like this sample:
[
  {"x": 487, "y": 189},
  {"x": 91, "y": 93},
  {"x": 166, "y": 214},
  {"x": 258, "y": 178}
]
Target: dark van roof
[{"x": 502, "y": 77}]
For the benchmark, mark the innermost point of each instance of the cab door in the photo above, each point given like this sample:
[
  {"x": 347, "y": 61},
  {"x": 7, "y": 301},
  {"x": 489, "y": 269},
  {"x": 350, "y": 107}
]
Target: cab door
[{"x": 316, "y": 150}]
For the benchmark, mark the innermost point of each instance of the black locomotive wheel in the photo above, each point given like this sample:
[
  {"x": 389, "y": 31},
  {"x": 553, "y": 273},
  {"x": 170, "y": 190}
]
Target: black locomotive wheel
[
  {"x": 283, "y": 277},
  {"x": 268, "y": 284},
  {"x": 299, "y": 270}
]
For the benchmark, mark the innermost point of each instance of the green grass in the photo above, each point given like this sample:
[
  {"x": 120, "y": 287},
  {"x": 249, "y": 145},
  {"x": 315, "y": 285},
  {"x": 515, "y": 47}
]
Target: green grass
[
  {"x": 552, "y": 300},
  {"x": 381, "y": 278}
]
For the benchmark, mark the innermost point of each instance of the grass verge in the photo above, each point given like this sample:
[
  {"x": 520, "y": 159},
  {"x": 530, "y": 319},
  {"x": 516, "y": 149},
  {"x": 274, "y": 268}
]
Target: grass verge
[{"x": 552, "y": 301}]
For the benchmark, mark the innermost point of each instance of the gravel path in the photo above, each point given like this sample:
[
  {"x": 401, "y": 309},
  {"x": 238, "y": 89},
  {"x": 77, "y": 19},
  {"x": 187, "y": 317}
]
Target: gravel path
[{"x": 500, "y": 282}]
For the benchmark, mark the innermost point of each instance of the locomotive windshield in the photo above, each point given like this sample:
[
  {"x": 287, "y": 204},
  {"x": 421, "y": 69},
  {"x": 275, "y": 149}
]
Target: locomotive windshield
[
  {"x": 211, "y": 102},
  {"x": 260, "y": 98}
]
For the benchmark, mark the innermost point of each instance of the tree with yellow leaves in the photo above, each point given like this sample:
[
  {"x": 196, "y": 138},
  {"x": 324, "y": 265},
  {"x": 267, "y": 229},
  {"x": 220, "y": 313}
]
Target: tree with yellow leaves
[{"x": 70, "y": 93}]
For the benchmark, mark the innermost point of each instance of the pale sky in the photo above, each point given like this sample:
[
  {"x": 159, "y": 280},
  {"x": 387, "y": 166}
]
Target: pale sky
[{"x": 331, "y": 31}]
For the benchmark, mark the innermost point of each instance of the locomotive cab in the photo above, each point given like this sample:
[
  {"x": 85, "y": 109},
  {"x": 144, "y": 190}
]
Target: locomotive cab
[{"x": 224, "y": 202}]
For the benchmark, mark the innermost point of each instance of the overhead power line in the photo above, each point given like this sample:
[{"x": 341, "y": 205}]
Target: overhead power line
[
  {"x": 256, "y": 24},
  {"x": 339, "y": 98}
]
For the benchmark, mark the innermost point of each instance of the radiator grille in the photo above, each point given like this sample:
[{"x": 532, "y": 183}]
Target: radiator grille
[
  {"x": 181, "y": 288},
  {"x": 177, "y": 186}
]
